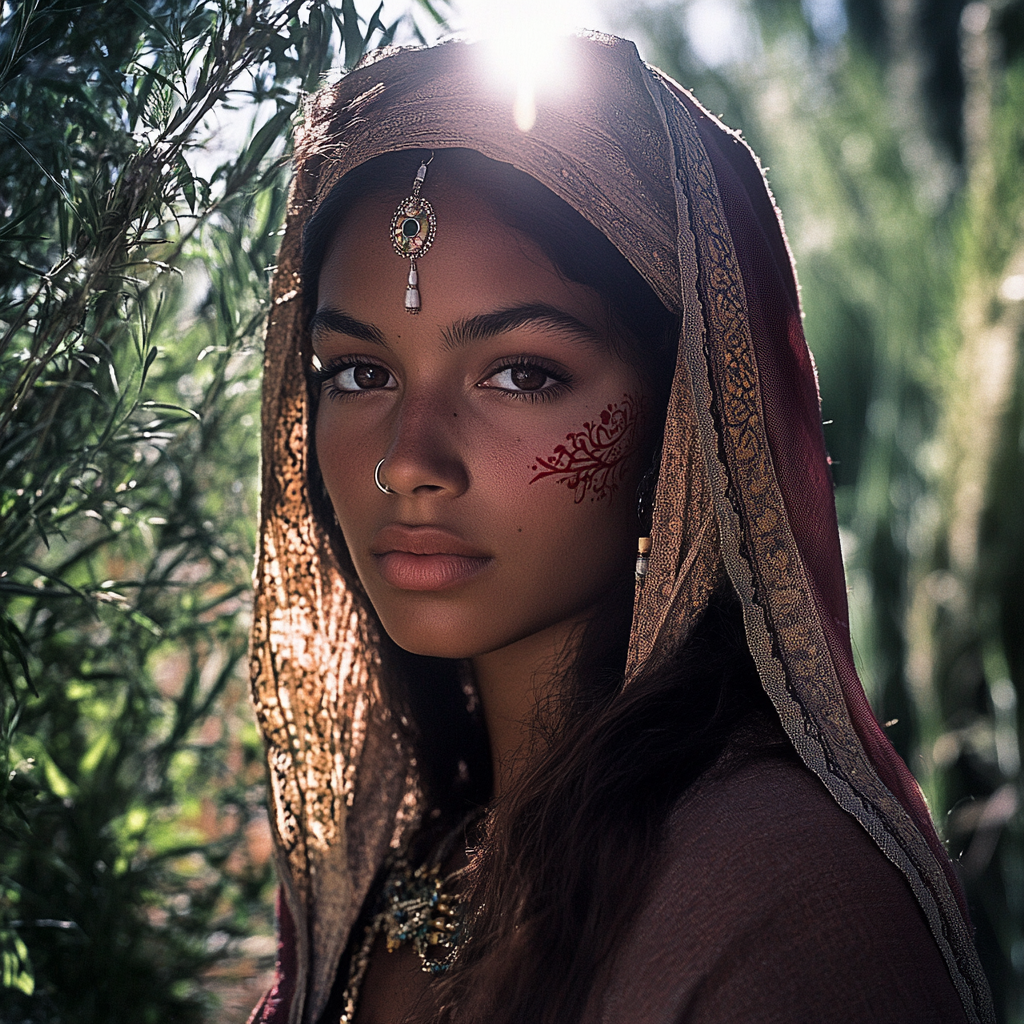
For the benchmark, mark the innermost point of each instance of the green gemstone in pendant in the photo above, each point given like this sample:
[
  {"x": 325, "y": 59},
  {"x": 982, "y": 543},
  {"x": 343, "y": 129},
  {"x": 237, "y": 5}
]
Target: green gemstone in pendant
[{"x": 413, "y": 227}]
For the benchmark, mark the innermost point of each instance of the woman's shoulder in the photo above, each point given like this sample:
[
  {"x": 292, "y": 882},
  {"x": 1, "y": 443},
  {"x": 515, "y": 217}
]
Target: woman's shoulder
[{"x": 772, "y": 904}]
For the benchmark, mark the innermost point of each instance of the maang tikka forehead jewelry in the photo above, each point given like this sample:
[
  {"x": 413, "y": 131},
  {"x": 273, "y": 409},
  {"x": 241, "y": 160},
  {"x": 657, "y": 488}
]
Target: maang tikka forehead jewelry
[{"x": 412, "y": 234}]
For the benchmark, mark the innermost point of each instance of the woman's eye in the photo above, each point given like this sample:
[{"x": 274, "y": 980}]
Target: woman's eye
[
  {"x": 521, "y": 378},
  {"x": 361, "y": 377}
]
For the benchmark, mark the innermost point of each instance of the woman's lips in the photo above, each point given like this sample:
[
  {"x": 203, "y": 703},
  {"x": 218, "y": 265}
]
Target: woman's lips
[
  {"x": 407, "y": 571},
  {"x": 425, "y": 558}
]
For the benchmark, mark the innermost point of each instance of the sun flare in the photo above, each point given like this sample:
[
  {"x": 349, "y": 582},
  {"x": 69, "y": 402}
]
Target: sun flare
[{"x": 526, "y": 47}]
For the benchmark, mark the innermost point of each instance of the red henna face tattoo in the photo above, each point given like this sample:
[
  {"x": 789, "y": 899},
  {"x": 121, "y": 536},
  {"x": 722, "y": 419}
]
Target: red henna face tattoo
[{"x": 593, "y": 459}]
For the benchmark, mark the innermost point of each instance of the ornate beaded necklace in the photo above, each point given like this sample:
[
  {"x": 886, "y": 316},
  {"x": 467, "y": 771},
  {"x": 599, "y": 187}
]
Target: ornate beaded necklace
[{"x": 415, "y": 906}]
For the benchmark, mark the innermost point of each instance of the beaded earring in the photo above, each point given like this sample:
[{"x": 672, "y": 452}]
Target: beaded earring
[
  {"x": 412, "y": 233},
  {"x": 645, "y": 516}
]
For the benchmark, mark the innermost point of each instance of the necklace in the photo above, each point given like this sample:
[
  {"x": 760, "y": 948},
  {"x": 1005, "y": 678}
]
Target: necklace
[{"x": 415, "y": 906}]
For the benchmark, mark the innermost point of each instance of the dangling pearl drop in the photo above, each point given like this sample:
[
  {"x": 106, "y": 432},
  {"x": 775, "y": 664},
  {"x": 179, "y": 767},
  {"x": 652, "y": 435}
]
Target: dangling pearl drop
[{"x": 412, "y": 291}]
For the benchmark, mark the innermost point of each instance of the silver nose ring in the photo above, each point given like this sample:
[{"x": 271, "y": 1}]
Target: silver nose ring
[{"x": 381, "y": 486}]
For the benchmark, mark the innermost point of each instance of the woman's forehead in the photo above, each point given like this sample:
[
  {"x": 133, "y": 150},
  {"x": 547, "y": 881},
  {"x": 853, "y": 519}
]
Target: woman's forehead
[{"x": 477, "y": 264}]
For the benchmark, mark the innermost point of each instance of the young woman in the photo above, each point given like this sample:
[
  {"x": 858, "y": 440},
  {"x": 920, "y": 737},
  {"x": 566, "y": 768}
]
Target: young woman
[{"x": 550, "y": 648}]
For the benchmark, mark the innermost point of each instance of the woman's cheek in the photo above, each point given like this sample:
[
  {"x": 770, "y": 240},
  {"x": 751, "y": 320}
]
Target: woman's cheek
[{"x": 592, "y": 461}]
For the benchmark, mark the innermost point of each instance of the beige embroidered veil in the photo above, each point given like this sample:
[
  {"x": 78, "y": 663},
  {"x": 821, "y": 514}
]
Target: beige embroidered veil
[{"x": 744, "y": 480}]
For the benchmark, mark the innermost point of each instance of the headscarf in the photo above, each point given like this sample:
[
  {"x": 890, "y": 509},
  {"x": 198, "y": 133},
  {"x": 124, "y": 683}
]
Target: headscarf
[{"x": 744, "y": 482}]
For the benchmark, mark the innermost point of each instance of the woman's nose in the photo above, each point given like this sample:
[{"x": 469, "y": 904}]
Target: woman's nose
[{"x": 426, "y": 451}]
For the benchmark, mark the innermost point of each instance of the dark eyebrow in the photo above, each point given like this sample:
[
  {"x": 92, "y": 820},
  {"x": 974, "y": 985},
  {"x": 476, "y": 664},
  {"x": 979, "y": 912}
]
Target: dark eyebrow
[
  {"x": 337, "y": 322},
  {"x": 487, "y": 325}
]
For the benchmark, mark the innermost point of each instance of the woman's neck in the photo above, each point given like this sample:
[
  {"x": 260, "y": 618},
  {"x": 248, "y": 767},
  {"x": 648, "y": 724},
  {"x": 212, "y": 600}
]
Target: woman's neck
[{"x": 514, "y": 682}]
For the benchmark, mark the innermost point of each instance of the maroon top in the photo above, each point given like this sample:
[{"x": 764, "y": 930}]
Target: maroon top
[
  {"x": 774, "y": 907},
  {"x": 835, "y": 936}
]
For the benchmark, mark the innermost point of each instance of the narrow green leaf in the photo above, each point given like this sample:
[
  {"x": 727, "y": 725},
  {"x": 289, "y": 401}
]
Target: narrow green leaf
[
  {"x": 60, "y": 785},
  {"x": 151, "y": 21},
  {"x": 146, "y": 623},
  {"x": 389, "y": 33},
  {"x": 261, "y": 143},
  {"x": 92, "y": 757},
  {"x": 174, "y": 408},
  {"x": 374, "y": 24},
  {"x": 188, "y": 183},
  {"x": 351, "y": 37},
  {"x": 432, "y": 11},
  {"x": 13, "y": 640},
  {"x": 16, "y": 966}
]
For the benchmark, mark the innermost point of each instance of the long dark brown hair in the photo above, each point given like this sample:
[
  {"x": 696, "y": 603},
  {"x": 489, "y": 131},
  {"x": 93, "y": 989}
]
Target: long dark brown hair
[{"x": 570, "y": 848}]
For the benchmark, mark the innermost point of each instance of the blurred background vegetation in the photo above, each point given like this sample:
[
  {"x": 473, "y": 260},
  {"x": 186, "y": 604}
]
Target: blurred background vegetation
[{"x": 138, "y": 225}]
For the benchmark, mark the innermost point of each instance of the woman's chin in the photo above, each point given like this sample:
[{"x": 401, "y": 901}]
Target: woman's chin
[
  {"x": 433, "y": 640},
  {"x": 433, "y": 649},
  {"x": 467, "y": 636}
]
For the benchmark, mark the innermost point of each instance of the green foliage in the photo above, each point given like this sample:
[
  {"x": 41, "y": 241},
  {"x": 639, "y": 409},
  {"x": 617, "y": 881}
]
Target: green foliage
[
  {"x": 899, "y": 171},
  {"x": 134, "y": 256}
]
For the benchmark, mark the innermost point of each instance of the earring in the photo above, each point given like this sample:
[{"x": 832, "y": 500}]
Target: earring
[
  {"x": 644, "y": 516},
  {"x": 412, "y": 233},
  {"x": 643, "y": 556},
  {"x": 381, "y": 486}
]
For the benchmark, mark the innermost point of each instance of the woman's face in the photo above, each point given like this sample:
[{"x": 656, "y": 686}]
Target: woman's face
[{"x": 513, "y": 435}]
